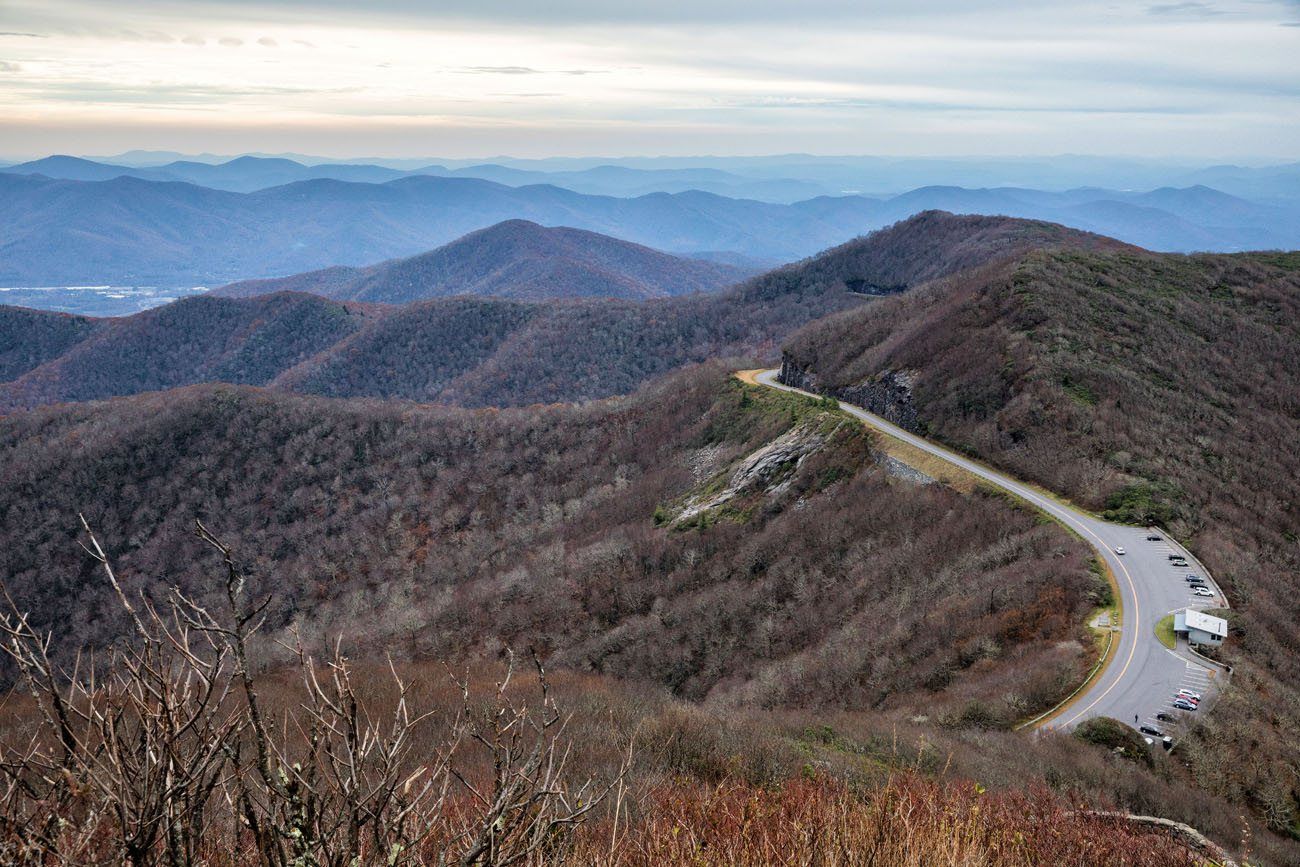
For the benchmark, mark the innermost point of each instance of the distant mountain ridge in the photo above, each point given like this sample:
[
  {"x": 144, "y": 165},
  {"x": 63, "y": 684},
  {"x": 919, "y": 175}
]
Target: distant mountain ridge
[
  {"x": 249, "y": 174},
  {"x": 133, "y": 231},
  {"x": 493, "y": 351},
  {"x": 512, "y": 259}
]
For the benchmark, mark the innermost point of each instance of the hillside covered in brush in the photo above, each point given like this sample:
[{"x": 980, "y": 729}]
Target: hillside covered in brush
[
  {"x": 1152, "y": 388},
  {"x": 514, "y": 259}
]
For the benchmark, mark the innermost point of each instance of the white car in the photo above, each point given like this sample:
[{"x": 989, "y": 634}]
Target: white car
[
  {"x": 1203, "y": 591},
  {"x": 1119, "y": 549},
  {"x": 1188, "y": 694}
]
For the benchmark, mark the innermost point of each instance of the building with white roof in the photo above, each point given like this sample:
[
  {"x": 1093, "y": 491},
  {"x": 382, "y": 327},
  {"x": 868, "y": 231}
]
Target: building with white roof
[{"x": 1199, "y": 628}]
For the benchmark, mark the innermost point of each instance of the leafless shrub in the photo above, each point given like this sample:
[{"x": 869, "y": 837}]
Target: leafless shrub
[{"x": 162, "y": 753}]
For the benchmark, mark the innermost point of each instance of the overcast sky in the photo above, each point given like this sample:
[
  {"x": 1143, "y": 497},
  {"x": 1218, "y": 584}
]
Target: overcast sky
[{"x": 1199, "y": 80}]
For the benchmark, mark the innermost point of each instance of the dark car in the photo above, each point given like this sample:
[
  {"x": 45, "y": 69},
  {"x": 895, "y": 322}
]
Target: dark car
[
  {"x": 1151, "y": 730},
  {"x": 1191, "y": 578},
  {"x": 1153, "y": 538},
  {"x": 1164, "y": 717},
  {"x": 1177, "y": 557}
]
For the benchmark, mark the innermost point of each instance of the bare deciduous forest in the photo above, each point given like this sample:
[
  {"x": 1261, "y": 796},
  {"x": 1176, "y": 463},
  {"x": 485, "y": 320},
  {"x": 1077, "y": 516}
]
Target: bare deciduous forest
[{"x": 445, "y": 532}]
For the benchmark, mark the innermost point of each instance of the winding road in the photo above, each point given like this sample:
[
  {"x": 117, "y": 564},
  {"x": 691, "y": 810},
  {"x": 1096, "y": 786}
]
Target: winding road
[{"x": 1141, "y": 675}]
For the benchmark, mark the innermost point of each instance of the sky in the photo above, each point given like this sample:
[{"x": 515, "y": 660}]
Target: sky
[{"x": 1218, "y": 79}]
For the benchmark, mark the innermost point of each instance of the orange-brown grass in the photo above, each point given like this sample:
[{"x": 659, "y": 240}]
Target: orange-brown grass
[{"x": 909, "y": 822}]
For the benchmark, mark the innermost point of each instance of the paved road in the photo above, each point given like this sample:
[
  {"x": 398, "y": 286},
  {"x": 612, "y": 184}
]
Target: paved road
[{"x": 1143, "y": 674}]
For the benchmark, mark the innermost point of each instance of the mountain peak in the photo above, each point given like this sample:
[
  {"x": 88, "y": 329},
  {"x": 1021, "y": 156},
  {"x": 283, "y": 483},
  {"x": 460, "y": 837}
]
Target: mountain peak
[{"x": 517, "y": 259}]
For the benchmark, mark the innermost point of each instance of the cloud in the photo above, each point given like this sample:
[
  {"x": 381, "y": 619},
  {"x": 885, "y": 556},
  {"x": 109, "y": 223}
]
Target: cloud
[
  {"x": 971, "y": 105},
  {"x": 163, "y": 96},
  {"x": 21, "y": 34},
  {"x": 1161, "y": 76},
  {"x": 1188, "y": 7},
  {"x": 525, "y": 70},
  {"x": 499, "y": 70}
]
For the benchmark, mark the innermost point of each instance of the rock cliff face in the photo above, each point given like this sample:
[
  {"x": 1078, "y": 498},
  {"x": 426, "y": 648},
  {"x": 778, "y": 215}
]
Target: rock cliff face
[
  {"x": 888, "y": 395},
  {"x": 769, "y": 469}
]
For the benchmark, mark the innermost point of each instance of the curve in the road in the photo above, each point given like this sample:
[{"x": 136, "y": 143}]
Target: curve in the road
[{"x": 1146, "y": 667}]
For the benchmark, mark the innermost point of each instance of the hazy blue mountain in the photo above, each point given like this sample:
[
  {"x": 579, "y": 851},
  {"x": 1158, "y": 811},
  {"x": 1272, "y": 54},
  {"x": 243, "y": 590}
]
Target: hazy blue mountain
[
  {"x": 514, "y": 259},
  {"x": 133, "y": 231},
  {"x": 248, "y": 174},
  {"x": 242, "y": 174},
  {"x": 76, "y": 169},
  {"x": 870, "y": 175},
  {"x": 129, "y": 230}
]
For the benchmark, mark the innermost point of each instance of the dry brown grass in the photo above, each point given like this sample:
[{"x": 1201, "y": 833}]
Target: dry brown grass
[{"x": 909, "y": 822}]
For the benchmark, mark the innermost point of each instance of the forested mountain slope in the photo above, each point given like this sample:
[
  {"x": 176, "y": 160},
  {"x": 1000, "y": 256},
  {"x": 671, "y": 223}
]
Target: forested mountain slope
[
  {"x": 462, "y": 350},
  {"x": 514, "y": 259},
  {"x": 488, "y": 351},
  {"x": 29, "y": 338},
  {"x": 199, "y": 339},
  {"x": 444, "y": 531},
  {"x": 1152, "y": 387}
]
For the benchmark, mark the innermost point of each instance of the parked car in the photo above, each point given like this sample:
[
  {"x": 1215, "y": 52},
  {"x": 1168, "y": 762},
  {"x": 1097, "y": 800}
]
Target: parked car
[
  {"x": 1164, "y": 717},
  {"x": 1153, "y": 538},
  {"x": 1119, "y": 549},
  {"x": 1184, "y": 704},
  {"x": 1203, "y": 591},
  {"x": 1188, "y": 694},
  {"x": 1151, "y": 730},
  {"x": 1177, "y": 557},
  {"x": 1193, "y": 579}
]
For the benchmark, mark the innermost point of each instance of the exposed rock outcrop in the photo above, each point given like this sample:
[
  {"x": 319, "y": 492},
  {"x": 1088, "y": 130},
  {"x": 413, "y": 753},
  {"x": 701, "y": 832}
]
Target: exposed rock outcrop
[
  {"x": 900, "y": 470},
  {"x": 888, "y": 395},
  {"x": 766, "y": 469}
]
